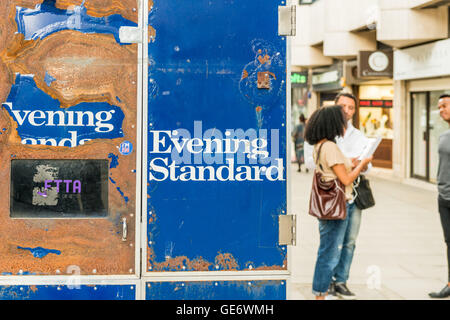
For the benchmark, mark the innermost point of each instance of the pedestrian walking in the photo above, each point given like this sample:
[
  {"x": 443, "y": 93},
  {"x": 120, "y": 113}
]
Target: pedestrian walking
[
  {"x": 443, "y": 179},
  {"x": 352, "y": 145},
  {"x": 298, "y": 139},
  {"x": 322, "y": 128}
]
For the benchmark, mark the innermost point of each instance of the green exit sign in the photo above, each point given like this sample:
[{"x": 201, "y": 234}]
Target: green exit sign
[{"x": 299, "y": 78}]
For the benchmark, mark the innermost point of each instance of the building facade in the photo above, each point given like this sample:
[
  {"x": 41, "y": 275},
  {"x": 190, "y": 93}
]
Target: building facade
[{"x": 394, "y": 56}]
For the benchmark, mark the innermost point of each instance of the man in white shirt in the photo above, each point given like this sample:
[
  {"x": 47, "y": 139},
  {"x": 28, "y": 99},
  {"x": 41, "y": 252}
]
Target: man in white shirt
[{"x": 351, "y": 145}]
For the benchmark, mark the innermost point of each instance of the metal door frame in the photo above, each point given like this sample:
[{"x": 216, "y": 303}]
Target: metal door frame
[
  {"x": 118, "y": 279},
  {"x": 427, "y": 132}
]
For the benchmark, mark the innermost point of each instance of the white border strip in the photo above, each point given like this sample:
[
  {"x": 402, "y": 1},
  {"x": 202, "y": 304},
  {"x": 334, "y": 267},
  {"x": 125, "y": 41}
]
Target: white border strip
[{"x": 144, "y": 204}]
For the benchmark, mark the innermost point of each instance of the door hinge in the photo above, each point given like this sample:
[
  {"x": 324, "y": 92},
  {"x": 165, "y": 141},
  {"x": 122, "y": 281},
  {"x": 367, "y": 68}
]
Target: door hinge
[
  {"x": 130, "y": 34},
  {"x": 287, "y": 230},
  {"x": 287, "y": 20}
]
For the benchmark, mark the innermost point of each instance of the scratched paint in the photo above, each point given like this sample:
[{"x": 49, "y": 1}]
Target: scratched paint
[
  {"x": 126, "y": 199},
  {"x": 49, "y": 79},
  {"x": 114, "y": 160},
  {"x": 41, "y": 120},
  {"x": 216, "y": 290},
  {"x": 67, "y": 292},
  {"x": 40, "y": 252},
  {"x": 122, "y": 194},
  {"x": 45, "y": 19},
  {"x": 211, "y": 75},
  {"x": 266, "y": 59}
]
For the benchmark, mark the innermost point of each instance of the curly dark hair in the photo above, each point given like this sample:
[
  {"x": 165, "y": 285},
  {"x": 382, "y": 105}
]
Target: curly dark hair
[{"x": 325, "y": 123}]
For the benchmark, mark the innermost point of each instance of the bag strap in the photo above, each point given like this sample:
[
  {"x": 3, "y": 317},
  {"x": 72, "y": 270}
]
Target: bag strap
[{"x": 318, "y": 156}]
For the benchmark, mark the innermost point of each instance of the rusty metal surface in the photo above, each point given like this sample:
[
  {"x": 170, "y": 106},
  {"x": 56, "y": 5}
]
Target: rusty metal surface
[{"x": 87, "y": 67}]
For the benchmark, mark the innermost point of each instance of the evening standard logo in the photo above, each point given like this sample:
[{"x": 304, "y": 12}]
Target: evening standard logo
[
  {"x": 42, "y": 121},
  {"x": 91, "y": 124},
  {"x": 213, "y": 155}
]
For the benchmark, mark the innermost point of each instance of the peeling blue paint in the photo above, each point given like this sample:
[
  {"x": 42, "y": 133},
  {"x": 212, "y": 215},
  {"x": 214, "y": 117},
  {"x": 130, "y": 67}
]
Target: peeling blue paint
[
  {"x": 122, "y": 194},
  {"x": 45, "y": 19},
  {"x": 41, "y": 120},
  {"x": 217, "y": 49},
  {"x": 66, "y": 292},
  {"x": 49, "y": 79},
  {"x": 216, "y": 290},
  {"x": 40, "y": 252},
  {"x": 120, "y": 191},
  {"x": 114, "y": 160}
]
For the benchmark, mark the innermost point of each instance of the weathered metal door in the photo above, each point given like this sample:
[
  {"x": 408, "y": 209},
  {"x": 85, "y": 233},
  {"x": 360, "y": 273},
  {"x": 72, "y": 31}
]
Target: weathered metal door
[
  {"x": 69, "y": 138},
  {"x": 80, "y": 80},
  {"x": 216, "y": 150}
]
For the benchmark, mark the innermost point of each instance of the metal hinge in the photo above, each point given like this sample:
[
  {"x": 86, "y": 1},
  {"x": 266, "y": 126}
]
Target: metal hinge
[
  {"x": 287, "y": 20},
  {"x": 287, "y": 230}
]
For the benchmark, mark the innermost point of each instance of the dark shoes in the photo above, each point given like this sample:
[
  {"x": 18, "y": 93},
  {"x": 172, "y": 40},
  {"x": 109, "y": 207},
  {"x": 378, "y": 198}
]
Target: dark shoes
[
  {"x": 341, "y": 290},
  {"x": 332, "y": 289},
  {"x": 444, "y": 293}
]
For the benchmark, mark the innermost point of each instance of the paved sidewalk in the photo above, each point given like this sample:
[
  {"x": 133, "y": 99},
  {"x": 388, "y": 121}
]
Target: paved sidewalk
[{"x": 400, "y": 252}]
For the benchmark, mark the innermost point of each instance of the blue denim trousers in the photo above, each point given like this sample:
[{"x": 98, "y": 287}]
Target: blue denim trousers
[
  {"x": 332, "y": 234},
  {"x": 342, "y": 271}
]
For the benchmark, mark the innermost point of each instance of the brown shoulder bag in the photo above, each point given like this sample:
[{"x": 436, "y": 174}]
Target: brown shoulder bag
[{"x": 328, "y": 201}]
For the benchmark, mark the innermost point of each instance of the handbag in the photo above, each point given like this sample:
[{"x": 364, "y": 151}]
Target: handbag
[
  {"x": 364, "y": 197},
  {"x": 327, "y": 201}
]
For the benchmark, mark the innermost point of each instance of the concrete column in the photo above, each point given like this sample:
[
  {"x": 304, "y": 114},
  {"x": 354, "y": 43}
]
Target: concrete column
[{"x": 400, "y": 153}]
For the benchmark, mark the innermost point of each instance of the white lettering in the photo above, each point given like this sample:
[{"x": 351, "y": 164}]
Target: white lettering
[
  {"x": 51, "y": 115},
  {"x": 100, "y": 121},
  {"x": 158, "y": 168},
  {"x": 20, "y": 120},
  {"x": 32, "y": 117},
  {"x": 157, "y": 142}
]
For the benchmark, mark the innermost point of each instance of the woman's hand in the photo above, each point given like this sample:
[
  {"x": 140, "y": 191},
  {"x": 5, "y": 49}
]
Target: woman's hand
[
  {"x": 366, "y": 161},
  {"x": 348, "y": 178},
  {"x": 356, "y": 162}
]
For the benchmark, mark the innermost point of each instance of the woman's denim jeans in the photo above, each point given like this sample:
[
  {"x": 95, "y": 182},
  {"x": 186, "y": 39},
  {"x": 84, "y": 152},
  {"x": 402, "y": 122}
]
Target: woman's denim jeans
[
  {"x": 332, "y": 233},
  {"x": 342, "y": 271}
]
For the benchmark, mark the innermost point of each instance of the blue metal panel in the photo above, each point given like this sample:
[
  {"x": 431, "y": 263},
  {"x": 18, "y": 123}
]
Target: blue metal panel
[
  {"x": 217, "y": 290},
  {"x": 54, "y": 292},
  {"x": 204, "y": 60}
]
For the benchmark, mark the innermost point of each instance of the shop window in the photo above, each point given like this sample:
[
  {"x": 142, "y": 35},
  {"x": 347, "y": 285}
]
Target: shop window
[{"x": 376, "y": 118}]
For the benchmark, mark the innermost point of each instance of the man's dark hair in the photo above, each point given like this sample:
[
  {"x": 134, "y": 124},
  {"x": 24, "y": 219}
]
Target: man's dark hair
[
  {"x": 347, "y": 95},
  {"x": 325, "y": 123},
  {"x": 445, "y": 95}
]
